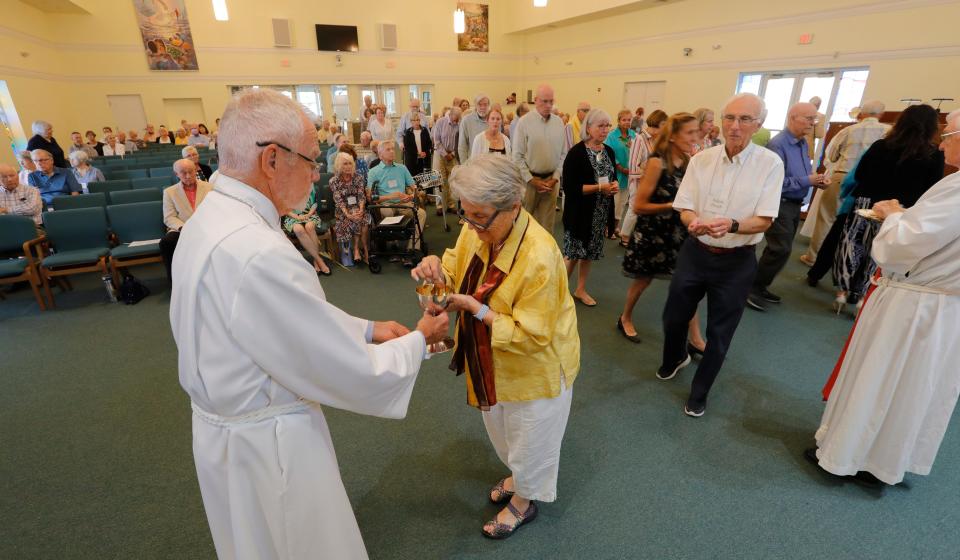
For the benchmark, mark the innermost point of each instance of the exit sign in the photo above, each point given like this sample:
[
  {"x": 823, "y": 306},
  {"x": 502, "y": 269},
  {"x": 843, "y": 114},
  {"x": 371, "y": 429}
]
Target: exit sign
[{"x": 806, "y": 39}]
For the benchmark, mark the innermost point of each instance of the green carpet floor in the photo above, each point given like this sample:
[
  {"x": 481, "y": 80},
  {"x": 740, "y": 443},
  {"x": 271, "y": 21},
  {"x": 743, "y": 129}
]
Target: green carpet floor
[{"x": 95, "y": 448}]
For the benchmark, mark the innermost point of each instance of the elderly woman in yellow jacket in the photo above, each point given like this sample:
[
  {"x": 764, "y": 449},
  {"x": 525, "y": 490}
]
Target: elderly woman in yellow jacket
[{"x": 516, "y": 334}]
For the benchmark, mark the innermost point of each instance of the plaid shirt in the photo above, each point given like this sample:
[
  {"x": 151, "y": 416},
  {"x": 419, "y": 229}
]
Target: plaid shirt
[
  {"x": 850, "y": 143},
  {"x": 22, "y": 201}
]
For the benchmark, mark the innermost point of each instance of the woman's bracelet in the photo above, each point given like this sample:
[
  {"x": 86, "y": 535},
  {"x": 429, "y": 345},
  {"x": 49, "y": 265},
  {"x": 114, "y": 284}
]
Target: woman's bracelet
[{"x": 482, "y": 312}]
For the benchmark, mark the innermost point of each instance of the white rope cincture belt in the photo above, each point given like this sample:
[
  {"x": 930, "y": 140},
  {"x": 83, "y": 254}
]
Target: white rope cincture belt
[
  {"x": 251, "y": 417},
  {"x": 883, "y": 281}
]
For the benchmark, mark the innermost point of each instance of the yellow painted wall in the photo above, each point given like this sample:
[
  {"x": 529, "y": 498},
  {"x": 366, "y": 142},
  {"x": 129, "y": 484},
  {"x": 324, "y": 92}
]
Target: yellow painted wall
[
  {"x": 74, "y": 62},
  {"x": 912, "y": 51}
]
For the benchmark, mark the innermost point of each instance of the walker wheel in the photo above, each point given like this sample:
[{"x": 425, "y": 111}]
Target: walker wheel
[{"x": 375, "y": 267}]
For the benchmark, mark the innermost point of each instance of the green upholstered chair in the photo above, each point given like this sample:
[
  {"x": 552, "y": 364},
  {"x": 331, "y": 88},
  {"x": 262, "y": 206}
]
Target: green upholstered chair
[
  {"x": 128, "y": 174},
  {"x": 108, "y": 186},
  {"x": 19, "y": 241},
  {"x": 165, "y": 171},
  {"x": 80, "y": 242},
  {"x": 138, "y": 221},
  {"x": 70, "y": 202},
  {"x": 136, "y": 195},
  {"x": 153, "y": 183}
]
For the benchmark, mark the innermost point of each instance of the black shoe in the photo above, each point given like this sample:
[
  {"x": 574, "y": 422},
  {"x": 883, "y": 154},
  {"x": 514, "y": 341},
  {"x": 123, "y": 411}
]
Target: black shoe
[
  {"x": 635, "y": 338},
  {"x": 407, "y": 263},
  {"x": 668, "y": 372},
  {"x": 695, "y": 411},
  {"x": 694, "y": 351},
  {"x": 770, "y": 296},
  {"x": 754, "y": 302},
  {"x": 811, "y": 455},
  {"x": 867, "y": 480},
  {"x": 812, "y": 282}
]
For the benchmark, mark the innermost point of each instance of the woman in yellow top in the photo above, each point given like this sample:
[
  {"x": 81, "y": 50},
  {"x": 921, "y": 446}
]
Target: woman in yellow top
[
  {"x": 181, "y": 138},
  {"x": 516, "y": 332}
]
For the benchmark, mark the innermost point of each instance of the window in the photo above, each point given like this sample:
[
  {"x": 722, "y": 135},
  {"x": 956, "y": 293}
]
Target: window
[
  {"x": 341, "y": 102},
  {"x": 390, "y": 100},
  {"x": 309, "y": 97},
  {"x": 839, "y": 90},
  {"x": 414, "y": 91},
  {"x": 368, "y": 90}
]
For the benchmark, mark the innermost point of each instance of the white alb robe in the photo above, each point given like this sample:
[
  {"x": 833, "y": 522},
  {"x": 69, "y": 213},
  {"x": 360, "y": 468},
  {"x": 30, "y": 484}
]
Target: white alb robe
[
  {"x": 270, "y": 482},
  {"x": 899, "y": 382}
]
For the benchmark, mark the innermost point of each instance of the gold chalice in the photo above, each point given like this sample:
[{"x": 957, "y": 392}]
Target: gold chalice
[{"x": 433, "y": 298}]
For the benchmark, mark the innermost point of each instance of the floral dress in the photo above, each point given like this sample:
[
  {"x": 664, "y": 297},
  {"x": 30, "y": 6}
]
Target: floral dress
[
  {"x": 289, "y": 222},
  {"x": 574, "y": 248},
  {"x": 347, "y": 196},
  {"x": 655, "y": 242}
]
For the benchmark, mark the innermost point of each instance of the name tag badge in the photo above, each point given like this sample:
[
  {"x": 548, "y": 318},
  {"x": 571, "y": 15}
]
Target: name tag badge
[
  {"x": 717, "y": 205},
  {"x": 392, "y": 183},
  {"x": 604, "y": 180},
  {"x": 351, "y": 200}
]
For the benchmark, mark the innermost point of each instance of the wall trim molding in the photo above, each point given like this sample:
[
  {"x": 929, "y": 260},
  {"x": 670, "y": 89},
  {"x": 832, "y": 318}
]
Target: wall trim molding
[
  {"x": 858, "y": 58},
  {"x": 876, "y": 7}
]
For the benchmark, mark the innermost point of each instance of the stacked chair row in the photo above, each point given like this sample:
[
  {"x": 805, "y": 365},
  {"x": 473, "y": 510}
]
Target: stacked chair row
[{"x": 96, "y": 239}]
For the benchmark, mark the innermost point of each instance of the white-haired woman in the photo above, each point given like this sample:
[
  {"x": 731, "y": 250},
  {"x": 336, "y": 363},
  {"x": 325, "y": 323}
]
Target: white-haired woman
[
  {"x": 516, "y": 333},
  {"x": 82, "y": 170},
  {"x": 380, "y": 126},
  {"x": 25, "y": 159},
  {"x": 112, "y": 147},
  {"x": 203, "y": 171},
  {"x": 350, "y": 203},
  {"x": 492, "y": 140},
  {"x": 705, "y": 120},
  {"x": 589, "y": 185},
  {"x": 43, "y": 139},
  {"x": 303, "y": 223}
]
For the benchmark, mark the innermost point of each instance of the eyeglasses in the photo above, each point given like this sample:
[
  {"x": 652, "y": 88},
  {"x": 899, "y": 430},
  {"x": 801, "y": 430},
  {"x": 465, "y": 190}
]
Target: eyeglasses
[
  {"x": 480, "y": 227},
  {"x": 308, "y": 159},
  {"x": 743, "y": 120},
  {"x": 945, "y": 134}
]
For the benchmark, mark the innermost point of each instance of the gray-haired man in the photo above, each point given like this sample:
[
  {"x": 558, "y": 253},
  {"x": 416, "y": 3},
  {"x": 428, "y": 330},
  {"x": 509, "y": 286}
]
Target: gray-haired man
[{"x": 472, "y": 124}]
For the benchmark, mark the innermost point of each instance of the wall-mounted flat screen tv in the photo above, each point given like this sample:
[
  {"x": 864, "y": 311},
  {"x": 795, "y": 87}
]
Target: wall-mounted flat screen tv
[{"x": 341, "y": 38}]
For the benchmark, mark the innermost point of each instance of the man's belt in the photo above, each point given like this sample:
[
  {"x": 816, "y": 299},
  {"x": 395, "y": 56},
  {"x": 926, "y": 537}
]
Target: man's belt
[{"x": 723, "y": 250}]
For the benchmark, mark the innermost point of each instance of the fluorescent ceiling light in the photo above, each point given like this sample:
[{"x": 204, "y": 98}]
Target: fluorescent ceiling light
[
  {"x": 220, "y": 10},
  {"x": 539, "y": 3}
]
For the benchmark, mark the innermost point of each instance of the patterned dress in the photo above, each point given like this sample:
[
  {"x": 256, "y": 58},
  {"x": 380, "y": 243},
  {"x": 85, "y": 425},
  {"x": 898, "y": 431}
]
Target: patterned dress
[
  {"x": 289, "y": 222},
  {"x": 574, "y": 248},
  {"x": 656, "y": 239},
  {"x": 343, "y": 194}
]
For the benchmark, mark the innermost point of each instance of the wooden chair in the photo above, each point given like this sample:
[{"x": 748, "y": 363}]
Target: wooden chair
[{"x": 18, "y": 235}]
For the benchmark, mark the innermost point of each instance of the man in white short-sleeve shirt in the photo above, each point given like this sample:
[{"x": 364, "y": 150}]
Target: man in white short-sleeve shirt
[{"x": 729, "y": 196}]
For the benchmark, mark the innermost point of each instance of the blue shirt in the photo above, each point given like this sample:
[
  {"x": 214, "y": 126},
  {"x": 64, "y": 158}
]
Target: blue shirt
[
  {"x": 795, "y": 155},
  {"x": 61, "y": 182},
  {"x": 393, "y": 178}
]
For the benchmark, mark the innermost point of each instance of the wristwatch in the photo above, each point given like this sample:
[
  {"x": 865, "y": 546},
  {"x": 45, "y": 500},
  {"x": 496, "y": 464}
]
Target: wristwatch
[{"x": 734, "y": 226}]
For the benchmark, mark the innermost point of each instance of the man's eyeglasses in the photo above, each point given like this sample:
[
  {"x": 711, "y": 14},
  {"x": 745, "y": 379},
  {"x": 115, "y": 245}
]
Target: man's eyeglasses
[
  {"x": 743, "y": 120},
  {"x": 478, "y": 226},
  {"x": 945, "y": 134},
  {"x": 308, "y": 159}
]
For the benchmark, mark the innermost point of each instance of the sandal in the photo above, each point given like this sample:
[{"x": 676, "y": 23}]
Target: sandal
[
  {"x": 503, "y": 495},
  {"x": 502, "y": 531}
]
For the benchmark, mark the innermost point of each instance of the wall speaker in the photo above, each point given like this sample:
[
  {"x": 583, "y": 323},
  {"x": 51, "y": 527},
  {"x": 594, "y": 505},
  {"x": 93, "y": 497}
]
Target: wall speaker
[
  {"x": 282, "y": 33},
  {"x": 529, "y": 96},
  {"x": 388, "y": 36}
]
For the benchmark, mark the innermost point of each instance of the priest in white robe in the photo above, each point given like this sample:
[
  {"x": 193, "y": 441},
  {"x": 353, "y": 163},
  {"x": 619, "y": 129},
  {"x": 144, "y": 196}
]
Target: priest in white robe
[
  {"x": 899, "y": 381},
  {"x": 266, "y": 465}
]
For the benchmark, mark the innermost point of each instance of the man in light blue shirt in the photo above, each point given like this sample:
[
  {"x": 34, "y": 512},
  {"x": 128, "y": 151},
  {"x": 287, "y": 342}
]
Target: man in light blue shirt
[
  {"x": 197, "y": 139},
  {"x": 51, "y": 181},
  {"x": 522, "y": 109},
  {"x": 791, "y": 145},
  {"x": 390, "y": 184}
]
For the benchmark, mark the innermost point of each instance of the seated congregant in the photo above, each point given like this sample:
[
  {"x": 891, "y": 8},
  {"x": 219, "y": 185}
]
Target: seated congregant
[
  {"x": 17, "y": 198},
  {"x": 50, "y": 179},
  {"x": 79, "y": 145},
  {"x": 203, "y": 170},
  {"x": 26, "y": 166},
  {"x": 197, "y": 139},
  {"x": 82, "y": 170},
  {"x": 391, "y": 184},
  {"x": 93, "y": 142},
  {"x": 179, "y": 203},
  {"x": 181, "y": 138},
  {"x": 128, "y": 144},
  {"x": 112, "y": 147}
]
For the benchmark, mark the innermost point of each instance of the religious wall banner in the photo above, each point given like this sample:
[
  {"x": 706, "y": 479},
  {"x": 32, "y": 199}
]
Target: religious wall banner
[
  {"x": 165, "y": 29},
  {"x": 476, "y": 36}
]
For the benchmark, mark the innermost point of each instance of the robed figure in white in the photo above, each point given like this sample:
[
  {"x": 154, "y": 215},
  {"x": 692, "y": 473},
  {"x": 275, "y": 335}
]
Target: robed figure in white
[
  {"x": 899, "y": 381},
  {"x": 241, "y": 295}
]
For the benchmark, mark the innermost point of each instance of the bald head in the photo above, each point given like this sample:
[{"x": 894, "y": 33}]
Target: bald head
[
  {"x": 873, "y": 108},
  {"x": 544, "y": 100},
  {"x": 801, "y": 118},
  {"x": 186, "y": 171},
  {"x": 9, "y": 177}
]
